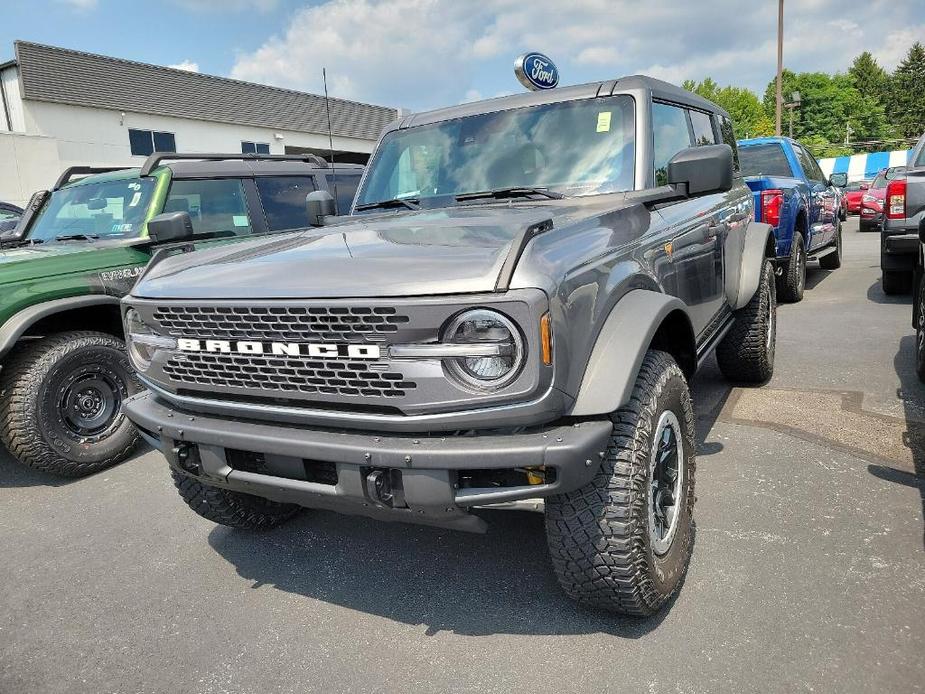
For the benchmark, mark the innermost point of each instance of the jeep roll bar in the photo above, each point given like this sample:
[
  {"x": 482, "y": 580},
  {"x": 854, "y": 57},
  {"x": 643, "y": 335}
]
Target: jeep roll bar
[
  {"x": 72, "y": 171},
  {"x": 155, "y": 159}
]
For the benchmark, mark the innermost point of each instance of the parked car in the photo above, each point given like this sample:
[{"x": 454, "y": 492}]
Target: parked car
[
  {"x": 793, "y": 195},
  {"x": 9, "y": 216},
  {"x": 854, "y": 191},
  {"x": 872, "y": 201},
  {"x": 79, "y": 249},
  {"x": 904, "y": 210},
  {"x": 514, "y": 315}
]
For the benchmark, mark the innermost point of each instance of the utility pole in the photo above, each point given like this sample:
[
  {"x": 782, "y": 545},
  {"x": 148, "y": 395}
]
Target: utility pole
[{"x": 780, "y": 65}]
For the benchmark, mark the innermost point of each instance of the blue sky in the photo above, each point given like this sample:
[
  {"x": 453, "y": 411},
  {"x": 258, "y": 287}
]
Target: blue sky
[{"x": 427, "y": 53}]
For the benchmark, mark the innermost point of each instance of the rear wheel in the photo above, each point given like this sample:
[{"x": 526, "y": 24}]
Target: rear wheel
[
  {"x": 622, "y": 542},
  {"x": 234, "y": 509},
  {"x": 61, "y": 403},
  {"x": 895, "y": 282},
  {"x": 746, "y": 353},
  {"x": 790, "y": 285}
]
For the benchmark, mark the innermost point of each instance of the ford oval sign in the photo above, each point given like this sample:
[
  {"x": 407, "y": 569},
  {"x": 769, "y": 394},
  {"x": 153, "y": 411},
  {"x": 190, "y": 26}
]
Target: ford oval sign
[{"x": 535, "y": 71}]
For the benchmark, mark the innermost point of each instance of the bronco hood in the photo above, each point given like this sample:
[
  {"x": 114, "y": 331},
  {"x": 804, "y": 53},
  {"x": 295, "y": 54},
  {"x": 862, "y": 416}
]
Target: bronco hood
[{"x": 425, "y": 252}]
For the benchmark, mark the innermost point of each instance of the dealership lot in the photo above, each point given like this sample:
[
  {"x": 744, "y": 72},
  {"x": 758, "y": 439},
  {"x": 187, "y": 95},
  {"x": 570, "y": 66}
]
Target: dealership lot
[{"x": 808, "y": 571}]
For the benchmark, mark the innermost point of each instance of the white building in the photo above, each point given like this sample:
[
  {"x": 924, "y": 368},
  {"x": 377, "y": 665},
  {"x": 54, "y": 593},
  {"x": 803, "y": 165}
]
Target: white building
[{"x": 61, "y": 108}]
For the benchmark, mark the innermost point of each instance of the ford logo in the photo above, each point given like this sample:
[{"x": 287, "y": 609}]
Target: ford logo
[{"x": 536, "y": 71}]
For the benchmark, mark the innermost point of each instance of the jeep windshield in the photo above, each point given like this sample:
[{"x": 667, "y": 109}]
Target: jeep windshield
[
  {"x": 105, "y": 210},
  {"x": 581, "y": 147}
]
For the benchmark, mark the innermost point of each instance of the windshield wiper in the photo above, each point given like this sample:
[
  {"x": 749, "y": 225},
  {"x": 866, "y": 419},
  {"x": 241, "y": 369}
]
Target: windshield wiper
[
  {"x": 410, "y": 203},
  {"x": 77, "y": 237},
  {"x": 514, "y": 192}
]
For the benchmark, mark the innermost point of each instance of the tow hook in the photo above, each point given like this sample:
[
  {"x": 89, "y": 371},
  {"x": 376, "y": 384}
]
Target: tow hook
[
  {"x": 187, "y": 458},
  {"x": 384, "y": 487}
]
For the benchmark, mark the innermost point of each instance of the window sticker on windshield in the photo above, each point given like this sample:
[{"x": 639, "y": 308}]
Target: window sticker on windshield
[
  {"x": 603, "y": 121},
  {"x": 135, "y": 198},
  {"x": 240, "y": 220},
  {"x": 134, "y": 186},
  {"x": 122, "y": 228}
]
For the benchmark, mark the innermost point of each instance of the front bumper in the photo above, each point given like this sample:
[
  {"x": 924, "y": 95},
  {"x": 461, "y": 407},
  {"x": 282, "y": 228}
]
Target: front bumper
[{"x": 427, "y": 467}]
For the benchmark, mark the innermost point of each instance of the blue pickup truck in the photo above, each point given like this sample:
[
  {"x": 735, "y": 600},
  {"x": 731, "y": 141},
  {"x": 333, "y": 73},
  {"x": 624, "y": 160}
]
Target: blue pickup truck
[{"x": 795, "y": 197}]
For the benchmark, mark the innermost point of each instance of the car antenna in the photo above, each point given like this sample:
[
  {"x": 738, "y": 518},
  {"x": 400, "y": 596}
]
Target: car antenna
[{"x": 327, "y": 108}]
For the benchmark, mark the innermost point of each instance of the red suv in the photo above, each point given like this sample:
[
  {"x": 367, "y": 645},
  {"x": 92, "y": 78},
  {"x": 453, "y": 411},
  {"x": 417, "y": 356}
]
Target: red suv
[{"x": 853, "y": 194}]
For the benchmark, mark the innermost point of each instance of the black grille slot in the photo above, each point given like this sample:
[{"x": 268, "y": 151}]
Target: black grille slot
[
  {"x": 287, "y": 375},
  {"x": 287, "y": 323}
]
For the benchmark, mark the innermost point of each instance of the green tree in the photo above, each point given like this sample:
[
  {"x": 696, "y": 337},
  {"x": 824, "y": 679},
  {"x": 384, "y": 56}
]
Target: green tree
[
  {"x": 906, "y": 105},
  {"x": 829, "y": 105},
  {"x": 869, "y": 78},
  {"x": 748, "y": 116}
]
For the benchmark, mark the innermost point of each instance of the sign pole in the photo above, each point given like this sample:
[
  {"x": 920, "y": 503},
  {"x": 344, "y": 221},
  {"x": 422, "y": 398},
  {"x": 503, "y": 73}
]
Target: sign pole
[{"x": 780, "y": 65}]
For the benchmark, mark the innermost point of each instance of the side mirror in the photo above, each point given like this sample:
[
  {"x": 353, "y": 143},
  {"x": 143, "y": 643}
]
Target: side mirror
[
  {"x": 320, "y": 204},
  {"x": 704, "y": 170},
  {"x": 839, "y": 180},
  {"x": 170, "y": 226},
  {"x": 922, "y": 230}
]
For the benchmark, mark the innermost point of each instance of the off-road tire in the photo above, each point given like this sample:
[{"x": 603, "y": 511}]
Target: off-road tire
[
  {"x": 31, "y": 426},
  {"x": 832, "y": 261},
  {"x": 895, "y": 282},
  {"x": 920, "y": 330},
  {"x": 598, "y": 535},
  {"x": 234, "y": 509},
  {"x": 746, "y": 353},
  {"x": 790, "y": 285}
]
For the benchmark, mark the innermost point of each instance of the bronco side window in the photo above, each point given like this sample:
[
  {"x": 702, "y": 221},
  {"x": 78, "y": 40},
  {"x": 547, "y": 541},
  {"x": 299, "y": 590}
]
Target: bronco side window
[
  {"x": 216, "y": 207},
  {"x": 703, "y": 128},
  {"x": 729, "y": 137},
  {"x": 671, "y": 134}
]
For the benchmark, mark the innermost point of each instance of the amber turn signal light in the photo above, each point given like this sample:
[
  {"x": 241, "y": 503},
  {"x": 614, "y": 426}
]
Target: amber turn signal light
[{"x": 546, "y": 339}]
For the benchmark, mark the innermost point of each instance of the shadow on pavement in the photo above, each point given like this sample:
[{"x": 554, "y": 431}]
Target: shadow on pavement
[
  {"x": 912, "y": 395},
  {"x": 875, "y": 294},
  {"x": 476, "y": 585},
  {"x": 815, "y": 275},
  {"x": 15, "y": 474},
  {"x": 710, "y": 391}
]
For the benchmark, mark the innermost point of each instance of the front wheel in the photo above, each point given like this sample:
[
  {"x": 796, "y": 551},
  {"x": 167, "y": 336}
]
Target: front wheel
[
  {"x": 832, "y": 261},
  {"x": 622, "y": 542},
  {"x": 895, "y": 282},
  {"x": 233, "y": 509},
  {"x": 920, "y": 331},
  {"x": 61, "y": 403}
]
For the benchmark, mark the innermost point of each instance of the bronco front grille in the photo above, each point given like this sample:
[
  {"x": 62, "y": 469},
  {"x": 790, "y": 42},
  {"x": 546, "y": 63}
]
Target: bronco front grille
[
  {"x": 286, "y": 375},
  {"x": 294, "y": 323}
]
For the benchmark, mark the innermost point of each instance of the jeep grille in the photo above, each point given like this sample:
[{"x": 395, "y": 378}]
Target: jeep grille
[{"x": 288, "y": 323}]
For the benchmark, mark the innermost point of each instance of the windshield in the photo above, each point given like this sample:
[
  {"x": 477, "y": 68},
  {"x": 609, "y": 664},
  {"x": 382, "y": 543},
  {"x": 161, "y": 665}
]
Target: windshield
[
  {"x": 880, "y": 181},
  {"x": 764, "y": 160},
  {"x": 114, "y": 209},
  {"x": 574, "y": 148}
]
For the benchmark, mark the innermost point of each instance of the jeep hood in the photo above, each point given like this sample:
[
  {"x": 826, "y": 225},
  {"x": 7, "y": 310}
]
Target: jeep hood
[{"x": 425, "y": 252}]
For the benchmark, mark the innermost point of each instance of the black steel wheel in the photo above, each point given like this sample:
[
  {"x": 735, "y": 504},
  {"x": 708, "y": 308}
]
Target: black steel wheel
[{"x": 61, "y": 403}]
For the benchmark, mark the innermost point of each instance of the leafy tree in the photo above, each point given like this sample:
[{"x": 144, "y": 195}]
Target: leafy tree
[
  {"x": 748, "y": 116},
  {"x": 907, "y": 94},
  {"x": 869, "y": 78},
  {"x": 829, "y": 104}
]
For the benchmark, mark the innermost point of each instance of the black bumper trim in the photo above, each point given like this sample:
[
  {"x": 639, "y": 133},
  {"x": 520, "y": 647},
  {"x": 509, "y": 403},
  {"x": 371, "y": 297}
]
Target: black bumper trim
[{"x": 427, "y": 463}]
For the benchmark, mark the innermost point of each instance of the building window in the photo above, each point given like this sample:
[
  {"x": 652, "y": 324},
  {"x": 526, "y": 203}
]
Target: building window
[
  {"x": 145, "y": 142},
  {"x": 255, "y": 148}
]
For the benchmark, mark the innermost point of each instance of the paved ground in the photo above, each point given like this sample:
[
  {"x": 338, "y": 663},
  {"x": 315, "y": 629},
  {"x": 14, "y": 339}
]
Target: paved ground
[{"x": 808, "y": 572}]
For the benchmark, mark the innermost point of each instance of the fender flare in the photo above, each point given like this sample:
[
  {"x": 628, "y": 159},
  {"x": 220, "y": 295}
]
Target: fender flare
[
  {"x": 759, "y": 238},
  {"x": 16, "y": 326},
  {"x": 620, "y": 347}
]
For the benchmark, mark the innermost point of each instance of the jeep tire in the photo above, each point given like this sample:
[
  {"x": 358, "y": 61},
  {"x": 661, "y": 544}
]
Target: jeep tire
[
  {"x": 61, "y": 403},
  {"x": 790, "y": 285},
  {"x": 234, "y": 509},
  {"x": 622, "y": 542},
  {"x": 895, "y": 282},
  {"x": 746, "y": 353},
  {"x": 832, "y": 261}
]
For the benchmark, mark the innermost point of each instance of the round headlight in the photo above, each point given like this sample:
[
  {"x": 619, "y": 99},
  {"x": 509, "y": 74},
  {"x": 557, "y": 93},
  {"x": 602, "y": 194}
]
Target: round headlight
[
  {"x": 142, "y": 342},
  {"x": 493, "y": 334}
]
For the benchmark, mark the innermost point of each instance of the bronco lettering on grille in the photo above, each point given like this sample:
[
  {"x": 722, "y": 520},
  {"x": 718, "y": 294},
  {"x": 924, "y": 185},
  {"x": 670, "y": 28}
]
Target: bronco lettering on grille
[{"x": 316, "y": 350}]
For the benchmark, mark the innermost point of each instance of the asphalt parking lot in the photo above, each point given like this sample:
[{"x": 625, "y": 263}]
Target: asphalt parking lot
[{"x": 808, "y": 571}]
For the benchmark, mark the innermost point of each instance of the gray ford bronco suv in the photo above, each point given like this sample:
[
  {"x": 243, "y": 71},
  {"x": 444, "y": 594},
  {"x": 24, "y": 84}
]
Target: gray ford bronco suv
[{"x": 512, "y": 312}]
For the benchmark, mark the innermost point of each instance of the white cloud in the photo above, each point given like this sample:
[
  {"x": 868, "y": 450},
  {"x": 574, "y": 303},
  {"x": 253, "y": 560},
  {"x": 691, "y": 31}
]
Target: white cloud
[
  {"x": 80, "y": 5},
  {"x": 187, "y": 65},
  {"x": 227, "y": 5},
  {"x": 425, "y": 53}
]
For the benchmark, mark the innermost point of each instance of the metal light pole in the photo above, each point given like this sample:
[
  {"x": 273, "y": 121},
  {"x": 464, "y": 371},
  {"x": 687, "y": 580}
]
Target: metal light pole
[{"x": 780, "y": 65}]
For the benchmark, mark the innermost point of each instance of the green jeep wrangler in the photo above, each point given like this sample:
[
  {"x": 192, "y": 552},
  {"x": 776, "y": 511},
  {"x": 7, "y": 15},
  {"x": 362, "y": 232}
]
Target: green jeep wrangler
[{"x": 80, "y": 247}]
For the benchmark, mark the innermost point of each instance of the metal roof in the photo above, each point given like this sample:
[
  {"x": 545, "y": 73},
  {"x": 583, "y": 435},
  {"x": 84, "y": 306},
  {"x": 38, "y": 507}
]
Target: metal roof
[{"x": 72, "y": 77}]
